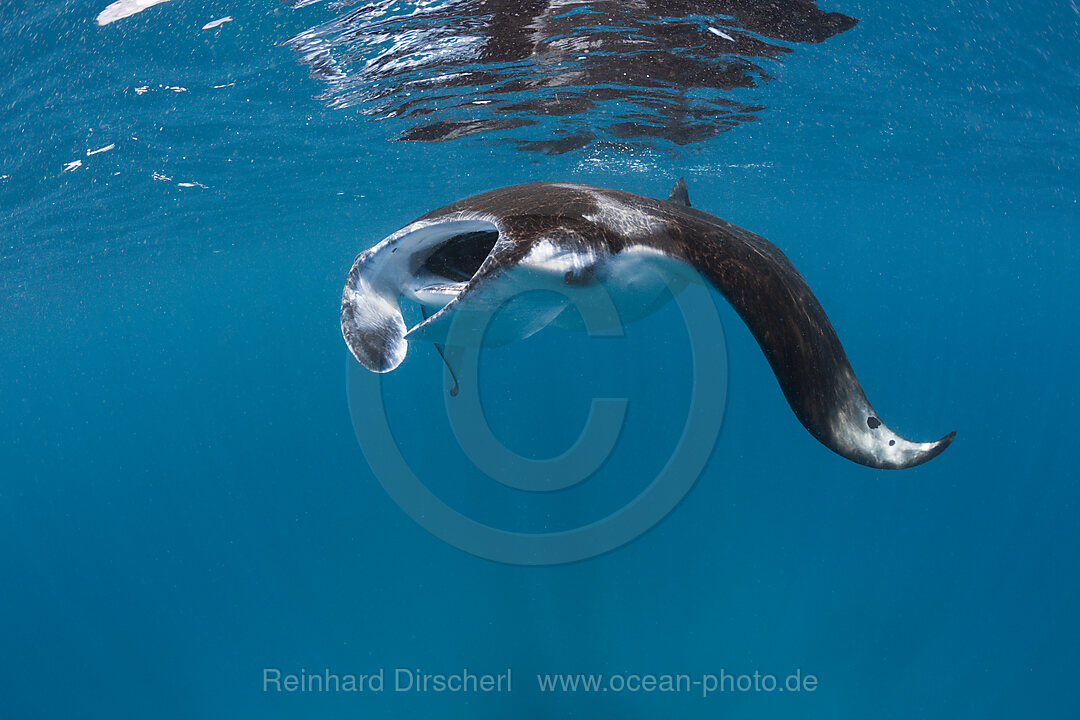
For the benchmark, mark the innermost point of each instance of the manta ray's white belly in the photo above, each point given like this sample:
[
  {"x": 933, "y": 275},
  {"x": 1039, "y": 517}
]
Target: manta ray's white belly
[
  {"x": 624, "y": 288},
  {"x": 583, "y": 291}
]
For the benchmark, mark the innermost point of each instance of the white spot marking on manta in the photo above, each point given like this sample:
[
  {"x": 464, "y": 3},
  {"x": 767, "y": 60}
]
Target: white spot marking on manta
[
  {"x": 107, "y": 148},
  {"x": 548, "y": 257},
  {"x": 216, "y": 23},
  {"x": 721, "y": 33},
  {"x": 124, "y": 8},
  {"x": 72, "y": 166},
  {"x": 643, "y": 252},
  {"x": 624, "y": 219}
]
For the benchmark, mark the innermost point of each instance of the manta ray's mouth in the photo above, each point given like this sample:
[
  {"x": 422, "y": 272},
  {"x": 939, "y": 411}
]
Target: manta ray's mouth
[
  {"x": 428, "y": 263},
  {"x": 443, "y": 264},
  {"x": 458, "y": 258}
]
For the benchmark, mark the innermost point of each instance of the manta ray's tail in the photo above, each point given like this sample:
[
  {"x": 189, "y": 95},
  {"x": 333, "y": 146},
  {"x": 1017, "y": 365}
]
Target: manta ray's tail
[{"x": 801, "y": 346}]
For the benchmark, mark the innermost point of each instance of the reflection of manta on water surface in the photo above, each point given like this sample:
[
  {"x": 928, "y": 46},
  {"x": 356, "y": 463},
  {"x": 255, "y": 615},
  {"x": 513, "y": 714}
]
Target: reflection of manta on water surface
[
  {"x": 488, "y": 255},
  {"x": 606, "y": 70}
]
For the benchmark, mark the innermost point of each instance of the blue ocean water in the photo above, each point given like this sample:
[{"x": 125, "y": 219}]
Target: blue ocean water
[{"x": 183, "y": 502}]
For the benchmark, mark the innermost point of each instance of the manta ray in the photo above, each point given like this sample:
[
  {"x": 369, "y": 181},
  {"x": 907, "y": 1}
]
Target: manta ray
[{"x": 487, "y": 254}]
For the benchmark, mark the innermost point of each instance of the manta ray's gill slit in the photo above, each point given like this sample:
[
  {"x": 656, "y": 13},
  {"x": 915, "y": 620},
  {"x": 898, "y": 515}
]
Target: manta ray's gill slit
[{"x": 459, "y": 257}]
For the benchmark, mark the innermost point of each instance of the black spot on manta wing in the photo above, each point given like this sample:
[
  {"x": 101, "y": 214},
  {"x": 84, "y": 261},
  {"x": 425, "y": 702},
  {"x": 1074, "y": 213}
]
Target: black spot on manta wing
[{"x": 873, "y": 423}]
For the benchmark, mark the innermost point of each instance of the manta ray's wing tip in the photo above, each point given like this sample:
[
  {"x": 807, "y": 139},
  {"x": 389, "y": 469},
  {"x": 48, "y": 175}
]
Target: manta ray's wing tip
[
  {"x": 936, "y": 448},
  {"x": 918, "y": 453},
  {"x": 940, "y": 445}
]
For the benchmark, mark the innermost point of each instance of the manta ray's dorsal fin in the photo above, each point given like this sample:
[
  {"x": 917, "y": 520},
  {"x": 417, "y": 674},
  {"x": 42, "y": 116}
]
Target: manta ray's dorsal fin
[{"x": 679, "y": 195}]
